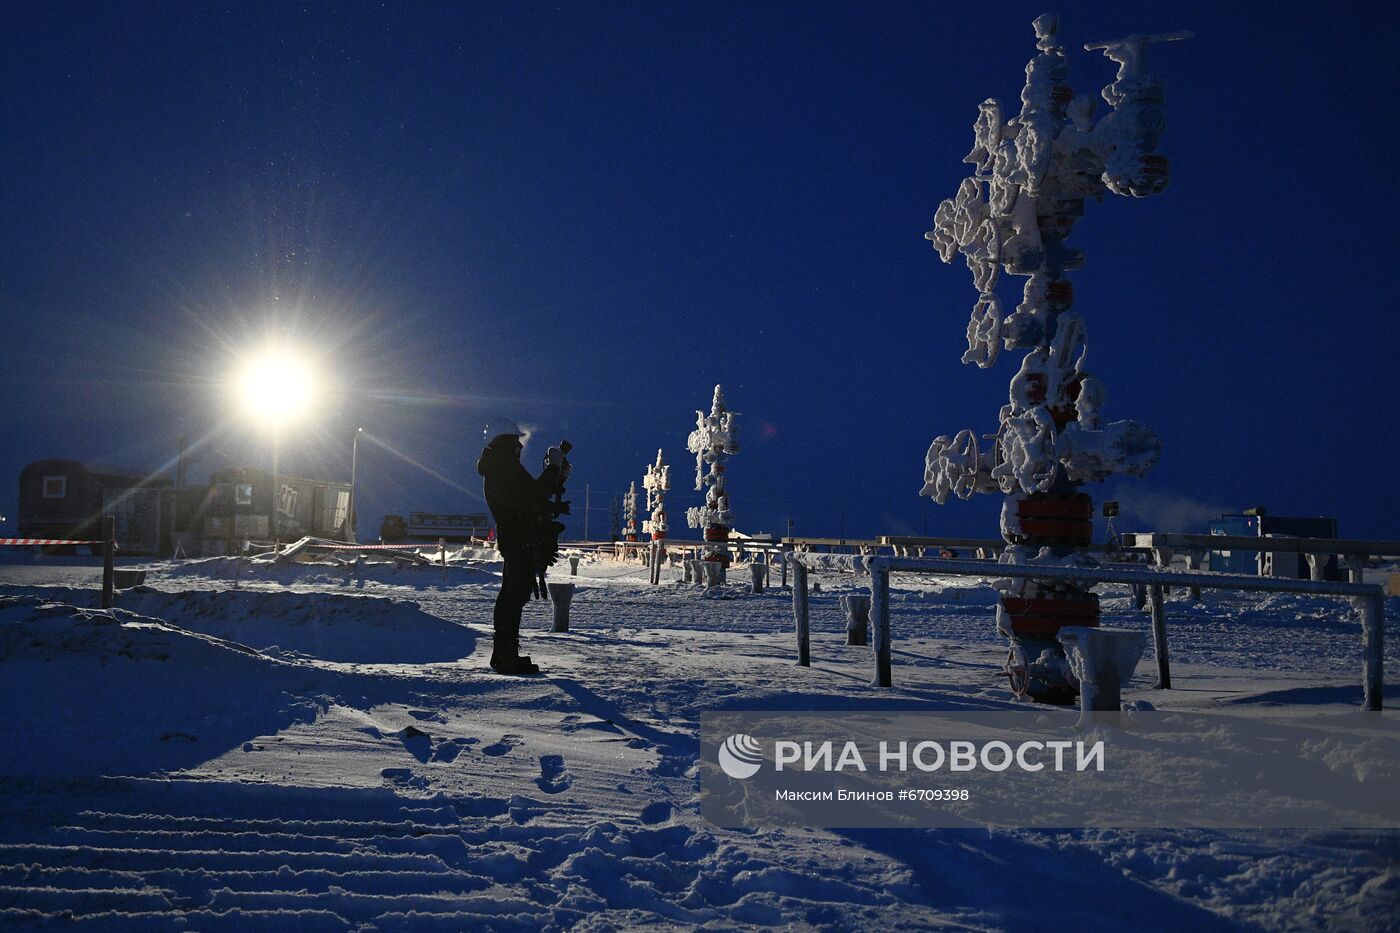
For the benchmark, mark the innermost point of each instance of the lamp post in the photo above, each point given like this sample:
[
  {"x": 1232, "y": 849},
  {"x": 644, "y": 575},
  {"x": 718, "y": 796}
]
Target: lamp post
[
  {"x": 354, "y": 460},
  {"x": 276, "y": 492}
]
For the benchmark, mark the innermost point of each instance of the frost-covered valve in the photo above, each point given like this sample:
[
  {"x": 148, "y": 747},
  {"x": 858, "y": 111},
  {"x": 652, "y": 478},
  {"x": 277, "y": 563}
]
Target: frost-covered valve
[
  {"x": 956, "y": 467},
  {"x": 1027, "y": 444}
]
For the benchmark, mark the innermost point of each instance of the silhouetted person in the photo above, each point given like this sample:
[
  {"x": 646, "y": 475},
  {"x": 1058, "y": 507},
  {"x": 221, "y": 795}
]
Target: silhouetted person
[{"x": 526, "y": 533}]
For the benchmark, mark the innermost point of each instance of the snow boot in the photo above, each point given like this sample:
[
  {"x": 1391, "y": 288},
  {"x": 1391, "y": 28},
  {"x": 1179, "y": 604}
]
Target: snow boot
[{"x": 517, "y": 666}]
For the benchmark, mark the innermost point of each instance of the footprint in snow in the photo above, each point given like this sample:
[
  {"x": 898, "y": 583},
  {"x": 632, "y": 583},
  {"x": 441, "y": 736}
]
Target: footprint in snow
[
  {"x": 448, "y": 751},
  {"x": 658, "y": 812},
  {"x": 574, "y": 722},
  {"x": 417, "y": 742},
  {"x": 553, "y": 777},
  {"x": 425, "y": 715},
  {"x": 497, "y": 749},
  {"x": 403, "y": 777}
]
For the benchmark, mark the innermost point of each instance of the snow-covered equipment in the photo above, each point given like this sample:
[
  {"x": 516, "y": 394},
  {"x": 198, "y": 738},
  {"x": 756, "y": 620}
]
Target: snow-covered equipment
[
  {"x": 714, "y": 440},
  {"x": 629, "y": 513},
  {"x": 1031, "y": 177},
  {"x": 657, "y": 482}
]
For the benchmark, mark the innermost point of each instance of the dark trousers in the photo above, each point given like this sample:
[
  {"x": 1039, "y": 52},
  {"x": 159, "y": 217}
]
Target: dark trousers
[{"x": 517, "y": 585}]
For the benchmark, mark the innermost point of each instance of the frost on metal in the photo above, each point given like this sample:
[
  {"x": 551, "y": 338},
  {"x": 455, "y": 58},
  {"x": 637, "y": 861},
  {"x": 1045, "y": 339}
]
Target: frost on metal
[
  {"x": 656, "y": 482},
  {"x": 1031, "y": 176},
  {"x": 714, "y": 441},
  {"x": 629, "y": 513}
]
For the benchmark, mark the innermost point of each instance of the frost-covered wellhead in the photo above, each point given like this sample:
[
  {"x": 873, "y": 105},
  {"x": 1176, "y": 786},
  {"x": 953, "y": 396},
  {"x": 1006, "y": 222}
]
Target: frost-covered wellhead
[
  {"x": 1031, "y": 176},
  {"x": 629, "y": 513},
  {"x": 714, "y": 440},
  {"x": 656, "y": 482}
]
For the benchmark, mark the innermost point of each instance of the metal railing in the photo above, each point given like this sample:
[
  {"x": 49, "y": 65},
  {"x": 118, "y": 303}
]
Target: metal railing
[
  {"x": 1316, "y": 551},
  {"x": 1368, "y": 598}
]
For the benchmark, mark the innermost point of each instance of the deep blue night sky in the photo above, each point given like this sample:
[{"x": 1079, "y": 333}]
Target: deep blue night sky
[{"x": 584, "y": 217}]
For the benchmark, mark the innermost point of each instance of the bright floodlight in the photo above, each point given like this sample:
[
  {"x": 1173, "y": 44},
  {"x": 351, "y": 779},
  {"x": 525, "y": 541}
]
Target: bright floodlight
[{"x": 276, "y": 388}]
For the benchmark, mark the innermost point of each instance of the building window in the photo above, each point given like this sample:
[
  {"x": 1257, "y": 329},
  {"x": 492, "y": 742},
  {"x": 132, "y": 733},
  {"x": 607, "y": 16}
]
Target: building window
[
  {"x": 55, "y": 487},
  {"x": 287, "y": 501},
  {"x": 243, "y": 494}
]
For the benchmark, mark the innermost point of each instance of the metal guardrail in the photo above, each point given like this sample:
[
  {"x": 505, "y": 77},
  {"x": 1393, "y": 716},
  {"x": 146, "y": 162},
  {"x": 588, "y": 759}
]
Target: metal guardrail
[
  {"x": 1316, "y": 551},
  {"x": 1369, "y": 600}
]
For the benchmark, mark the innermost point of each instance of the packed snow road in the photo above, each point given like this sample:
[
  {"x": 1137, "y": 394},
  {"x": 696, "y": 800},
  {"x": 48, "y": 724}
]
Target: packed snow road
[{"x": 309, "y": 751}]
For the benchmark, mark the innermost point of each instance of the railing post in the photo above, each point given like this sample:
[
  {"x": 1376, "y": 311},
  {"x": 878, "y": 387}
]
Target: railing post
[
  {"x": 1159, "y": 636},
  {"x": 1317, "y": 565},
  {"x": 1356, "y": 565},
  {"x": 1372, "y": 610},
  {"x": 880, "y": 619},
  {"x": 799, "y": 614},
  {"x": 786, "y": 558},
  {"x": 109, "y": 549},
  {"x": 1193, "y": 564}
]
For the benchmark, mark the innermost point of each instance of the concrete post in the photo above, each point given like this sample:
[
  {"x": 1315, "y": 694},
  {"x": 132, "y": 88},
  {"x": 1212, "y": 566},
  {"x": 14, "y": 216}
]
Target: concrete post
[
  {"x": 1159, "y": 637},
  {"x": 857, "y": 609},
  {"x": 787, "y": 556},
  {"x": 1103, "y": 661},
  {"x": 573, "y": 566},
  {"x": 880, "y": 616},
  {"x": 799, "y": 615},
  {"x": 560, "y": 595},
  {"x": 1372, "y": 610},
  {"x": 712, "y": 573},
  {"x": 1139, "y": 596},
  {"x": 109, "y": 551},
  {"x": 758, "y": 572}
]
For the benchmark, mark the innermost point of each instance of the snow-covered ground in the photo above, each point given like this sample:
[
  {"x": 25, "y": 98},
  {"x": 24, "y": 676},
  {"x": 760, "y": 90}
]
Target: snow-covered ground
[{"x": 303, "y": 752}]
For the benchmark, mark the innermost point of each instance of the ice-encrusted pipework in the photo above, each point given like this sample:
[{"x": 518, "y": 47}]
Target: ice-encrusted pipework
[
  {"x": 1031, "y": 177},
  {"x": 629, "y": 513},
  {"x": 714, "y": 440},
  {"x": 657, "y": 482}
]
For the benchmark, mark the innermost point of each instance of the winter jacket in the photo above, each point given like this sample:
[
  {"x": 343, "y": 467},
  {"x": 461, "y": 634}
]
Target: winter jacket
[{"x": 518, "y": 501}]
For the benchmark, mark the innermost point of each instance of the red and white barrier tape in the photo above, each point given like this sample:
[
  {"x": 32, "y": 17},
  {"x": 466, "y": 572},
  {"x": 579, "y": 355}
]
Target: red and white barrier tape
[
  {"x": 42, "y": 541},
  {"x": 374, "y": 547}
]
